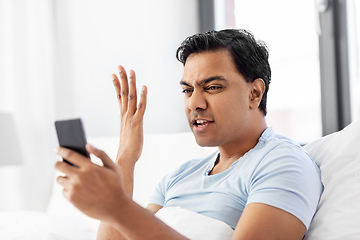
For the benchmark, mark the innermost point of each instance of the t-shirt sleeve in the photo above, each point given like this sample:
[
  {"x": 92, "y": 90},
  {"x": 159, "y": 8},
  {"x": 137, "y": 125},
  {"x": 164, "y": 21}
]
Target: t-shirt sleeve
[
  {"x": 158, "y": 196},
  {"x": 288, "y": 180}
]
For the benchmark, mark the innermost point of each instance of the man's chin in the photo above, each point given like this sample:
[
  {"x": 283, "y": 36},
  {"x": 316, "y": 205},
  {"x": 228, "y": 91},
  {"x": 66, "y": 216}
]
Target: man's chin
[{"x": 205, "y": 142}]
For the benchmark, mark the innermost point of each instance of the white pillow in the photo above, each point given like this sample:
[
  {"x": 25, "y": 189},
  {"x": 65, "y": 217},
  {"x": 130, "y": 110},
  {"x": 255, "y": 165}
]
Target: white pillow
[
  {"x": 194, "y": 225},
  {"x": 338, "y": 213}
]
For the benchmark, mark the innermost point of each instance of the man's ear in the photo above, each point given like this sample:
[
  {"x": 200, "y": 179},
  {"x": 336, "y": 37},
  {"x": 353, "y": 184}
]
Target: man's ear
[{"x": 257, "y": 91}]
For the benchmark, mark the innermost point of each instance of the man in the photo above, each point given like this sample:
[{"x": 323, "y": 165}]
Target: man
[{"x": 262, "y": 185}]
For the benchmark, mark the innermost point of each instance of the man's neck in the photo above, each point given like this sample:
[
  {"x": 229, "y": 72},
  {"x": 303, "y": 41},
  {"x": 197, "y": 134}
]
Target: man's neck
[{"x": 232, "y": 151}]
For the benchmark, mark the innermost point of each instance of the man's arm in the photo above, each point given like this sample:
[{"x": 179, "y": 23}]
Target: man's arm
[
  {"x": 107, "y": 231},
  {"x": 131, "y": 137},
  {"x": 261, "y": 221}
]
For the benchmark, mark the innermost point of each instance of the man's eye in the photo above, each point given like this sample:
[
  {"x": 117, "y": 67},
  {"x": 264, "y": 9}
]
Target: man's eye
[
  {"x": 214, "y": 87},
  {"x": 186, "y": 91}
]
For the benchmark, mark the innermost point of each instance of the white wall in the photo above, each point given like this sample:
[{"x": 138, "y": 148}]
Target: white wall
[{"x": 96, "y": 36}]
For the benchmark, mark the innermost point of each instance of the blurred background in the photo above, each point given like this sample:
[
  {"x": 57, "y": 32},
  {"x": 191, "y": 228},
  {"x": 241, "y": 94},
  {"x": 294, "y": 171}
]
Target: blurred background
[{"x": 57, "y": 57}]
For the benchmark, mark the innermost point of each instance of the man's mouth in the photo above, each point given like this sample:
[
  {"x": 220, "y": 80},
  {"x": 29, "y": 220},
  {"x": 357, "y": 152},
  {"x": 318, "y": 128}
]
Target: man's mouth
[{"x": 201, "y": 122}]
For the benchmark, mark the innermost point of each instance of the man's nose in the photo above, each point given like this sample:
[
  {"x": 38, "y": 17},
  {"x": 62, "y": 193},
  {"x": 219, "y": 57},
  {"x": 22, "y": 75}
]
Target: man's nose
[{"x": 197, "y": 101}]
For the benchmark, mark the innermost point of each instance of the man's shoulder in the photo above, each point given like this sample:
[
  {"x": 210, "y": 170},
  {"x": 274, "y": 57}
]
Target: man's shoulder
[
  {"x": 279, "y": 143},
  {"x": 279, "y": 153},
  {"x": 278, "y": 150}
]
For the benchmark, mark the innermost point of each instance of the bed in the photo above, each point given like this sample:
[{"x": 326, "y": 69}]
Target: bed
[{"x": 337, "y": 216}]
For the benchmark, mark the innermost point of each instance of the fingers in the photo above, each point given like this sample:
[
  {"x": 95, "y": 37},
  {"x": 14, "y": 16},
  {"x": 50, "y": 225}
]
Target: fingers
[
  {"x": 63, "y": 181},
  {"x": 132, "y": 93},
  {"x": 102, "y": 155},
  {"x": 142, "y": 102},
  {"x": 124, "y": 89},
  {"x": 127, "y": 94},
  {"x": 117, "y": 87},
  {"x": 73, "y": 157},
  {"x": 65, "y": 168}
]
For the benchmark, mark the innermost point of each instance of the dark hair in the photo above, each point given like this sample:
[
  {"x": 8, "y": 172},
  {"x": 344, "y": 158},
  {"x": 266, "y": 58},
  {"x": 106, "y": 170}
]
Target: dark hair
[{"x": 250, "y": 56}]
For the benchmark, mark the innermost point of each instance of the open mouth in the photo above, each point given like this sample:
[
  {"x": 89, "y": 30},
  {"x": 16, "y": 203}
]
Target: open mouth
[{"x": 201, "y": 123}]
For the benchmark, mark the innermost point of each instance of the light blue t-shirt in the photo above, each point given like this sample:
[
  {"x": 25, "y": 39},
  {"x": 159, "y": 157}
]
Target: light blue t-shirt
[{"x": 276, "y": 172}]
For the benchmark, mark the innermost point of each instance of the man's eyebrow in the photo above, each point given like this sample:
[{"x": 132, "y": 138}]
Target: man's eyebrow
[
  {"x": 210, "y": 79},
  {"x": 204, "y": 81},
  {"x": 182, "y": 82}
]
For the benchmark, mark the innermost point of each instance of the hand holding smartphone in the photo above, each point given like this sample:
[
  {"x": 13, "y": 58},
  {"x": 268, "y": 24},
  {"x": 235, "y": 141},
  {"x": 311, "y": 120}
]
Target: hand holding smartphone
[{"x": 71, "y": 135}]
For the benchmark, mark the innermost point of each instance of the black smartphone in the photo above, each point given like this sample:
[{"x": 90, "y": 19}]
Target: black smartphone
[{"x": 71, "y": 135}]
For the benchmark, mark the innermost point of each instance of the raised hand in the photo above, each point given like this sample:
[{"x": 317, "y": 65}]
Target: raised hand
[{"x": 131, "y": 135}]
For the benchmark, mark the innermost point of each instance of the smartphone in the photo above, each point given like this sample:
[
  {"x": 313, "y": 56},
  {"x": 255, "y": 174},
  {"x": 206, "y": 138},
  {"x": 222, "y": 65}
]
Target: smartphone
[{"x": 71, "y": 135}]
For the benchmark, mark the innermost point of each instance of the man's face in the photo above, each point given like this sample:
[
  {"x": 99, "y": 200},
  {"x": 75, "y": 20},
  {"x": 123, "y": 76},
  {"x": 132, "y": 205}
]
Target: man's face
[{"x": 217, "y": 99}]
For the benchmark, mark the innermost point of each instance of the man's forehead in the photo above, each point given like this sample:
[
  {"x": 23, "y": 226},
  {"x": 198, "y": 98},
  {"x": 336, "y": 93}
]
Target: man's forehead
[
  {"x": 208, "y": 66},
  {"x": 209, "y": 63},
  {"x": 208, "y": 55}
]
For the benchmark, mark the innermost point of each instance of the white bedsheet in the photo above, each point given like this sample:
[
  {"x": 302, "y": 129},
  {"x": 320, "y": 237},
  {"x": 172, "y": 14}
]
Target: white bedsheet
[{"x": 30, "y": 225}]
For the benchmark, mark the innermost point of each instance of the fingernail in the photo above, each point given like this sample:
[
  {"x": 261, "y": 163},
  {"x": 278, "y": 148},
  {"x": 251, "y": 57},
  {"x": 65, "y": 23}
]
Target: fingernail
[
  {"x": 91, "y": 147},
  {"x": 56, "y": 150},
  {"x": 120, "y": 69}
]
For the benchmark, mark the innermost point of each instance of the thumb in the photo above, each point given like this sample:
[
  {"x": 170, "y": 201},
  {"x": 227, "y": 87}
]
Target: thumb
[{"x": 102, "y": 155}]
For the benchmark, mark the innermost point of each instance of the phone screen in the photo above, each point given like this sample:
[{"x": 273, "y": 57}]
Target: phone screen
[{"x": 71, "y": 135}]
